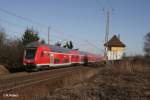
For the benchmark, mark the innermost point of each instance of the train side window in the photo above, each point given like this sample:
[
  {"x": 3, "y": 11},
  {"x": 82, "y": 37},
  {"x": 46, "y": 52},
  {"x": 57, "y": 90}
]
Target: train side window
[
  {"x": 56, "y": 60},
  {"x": 42, "y": 54},
  {"x": 65, "y": 60}
]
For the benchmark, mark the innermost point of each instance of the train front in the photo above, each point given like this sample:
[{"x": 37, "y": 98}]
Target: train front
[
  {"x": 29, "y": 58},
  {"x": 30, "y": 53}
]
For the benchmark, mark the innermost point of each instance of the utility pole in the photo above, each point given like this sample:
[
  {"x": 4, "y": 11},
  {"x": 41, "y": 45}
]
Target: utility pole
[
  {"x": 107, "y": 26},
  {"x": 107, "y": 34},
  {"x": 48, "y": 35}
]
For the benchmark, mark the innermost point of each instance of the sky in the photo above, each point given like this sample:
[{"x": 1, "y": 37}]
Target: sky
[{"x": 82, "y": 21}]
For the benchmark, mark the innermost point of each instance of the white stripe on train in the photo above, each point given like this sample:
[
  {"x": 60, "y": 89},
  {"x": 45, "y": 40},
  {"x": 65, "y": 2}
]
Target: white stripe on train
[{"x": 51, "y": 65}]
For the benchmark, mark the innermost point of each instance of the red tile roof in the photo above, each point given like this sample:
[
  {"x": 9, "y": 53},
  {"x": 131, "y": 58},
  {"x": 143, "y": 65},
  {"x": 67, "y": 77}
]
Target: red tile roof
[{"x": 114, "y": 42}]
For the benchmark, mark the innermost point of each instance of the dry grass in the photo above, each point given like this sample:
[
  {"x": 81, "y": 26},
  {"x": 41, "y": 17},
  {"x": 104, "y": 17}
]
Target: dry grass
[
  {"x": 126, "y": 67},
  {"x": 125, "y": 80}
]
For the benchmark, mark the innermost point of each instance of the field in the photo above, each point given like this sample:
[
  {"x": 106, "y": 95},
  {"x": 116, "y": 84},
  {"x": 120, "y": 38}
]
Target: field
[{"x": 119, "y": 81}]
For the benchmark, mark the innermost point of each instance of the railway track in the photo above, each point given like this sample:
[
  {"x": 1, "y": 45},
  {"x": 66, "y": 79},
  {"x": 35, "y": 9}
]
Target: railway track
[{"x": 10, "y": 84}]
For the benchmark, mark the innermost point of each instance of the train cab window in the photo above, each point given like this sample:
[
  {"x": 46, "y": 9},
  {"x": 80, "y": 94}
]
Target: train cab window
[{"x": 30, "y": 53}]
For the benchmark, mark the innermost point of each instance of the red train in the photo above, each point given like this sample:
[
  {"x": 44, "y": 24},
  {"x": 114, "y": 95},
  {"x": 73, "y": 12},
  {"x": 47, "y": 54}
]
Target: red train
[{"x": 38, "y": 56}]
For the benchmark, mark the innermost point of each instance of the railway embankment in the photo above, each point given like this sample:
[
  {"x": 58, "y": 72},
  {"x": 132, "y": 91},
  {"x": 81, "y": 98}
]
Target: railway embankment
[
  {"x": 3, "y": 70},
  {"x": 45, "y": 83}
]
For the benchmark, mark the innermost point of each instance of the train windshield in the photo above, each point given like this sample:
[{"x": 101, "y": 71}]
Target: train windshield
[{"x": 30, "y": 53}]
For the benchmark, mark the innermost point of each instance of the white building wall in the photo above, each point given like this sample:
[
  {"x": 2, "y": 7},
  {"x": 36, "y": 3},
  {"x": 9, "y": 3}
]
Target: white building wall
[{"x": 117, "y": 55}]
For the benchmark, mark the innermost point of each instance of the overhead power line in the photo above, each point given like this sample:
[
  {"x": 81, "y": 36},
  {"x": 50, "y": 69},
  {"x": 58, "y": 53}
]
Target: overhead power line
[
  {"x": 23, "y": 26},
  {"x": 35, "y": 22},
  {"x": 30, "y": 20},
  {"x": 22, "y": 17},
  {"x": 93, "y": 45},
  {"x": 12, "y": 23}
]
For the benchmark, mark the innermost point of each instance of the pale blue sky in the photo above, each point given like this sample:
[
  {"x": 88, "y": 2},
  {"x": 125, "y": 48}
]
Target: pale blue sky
[{"x": 81, "y": 21}]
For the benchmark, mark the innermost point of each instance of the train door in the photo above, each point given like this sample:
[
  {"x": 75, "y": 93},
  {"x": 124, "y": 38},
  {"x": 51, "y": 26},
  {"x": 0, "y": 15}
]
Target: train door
[
  {"x": 51, "y": 59},
  {"x": 44, "y": 58},
  {"x": 70, "y": 59},
  {"x": 86, "y": 60}
]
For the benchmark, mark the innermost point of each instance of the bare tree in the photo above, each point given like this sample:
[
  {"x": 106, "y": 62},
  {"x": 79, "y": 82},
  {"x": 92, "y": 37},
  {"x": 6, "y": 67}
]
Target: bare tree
[
  {"x": 147, "y": 44},
  {"x": 11, "y": 51},
  {"x": 2, "y": 45},
  {"x": 2, "y": 37}
]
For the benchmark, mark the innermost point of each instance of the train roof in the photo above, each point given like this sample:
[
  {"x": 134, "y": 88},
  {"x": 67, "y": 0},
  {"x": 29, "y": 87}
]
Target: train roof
[
  {"x": 53, "y": 47},
  {"x": 83, "y": 53},
  {"x": 56, "y": 48},
  {"x": 59, "y": 49}
]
